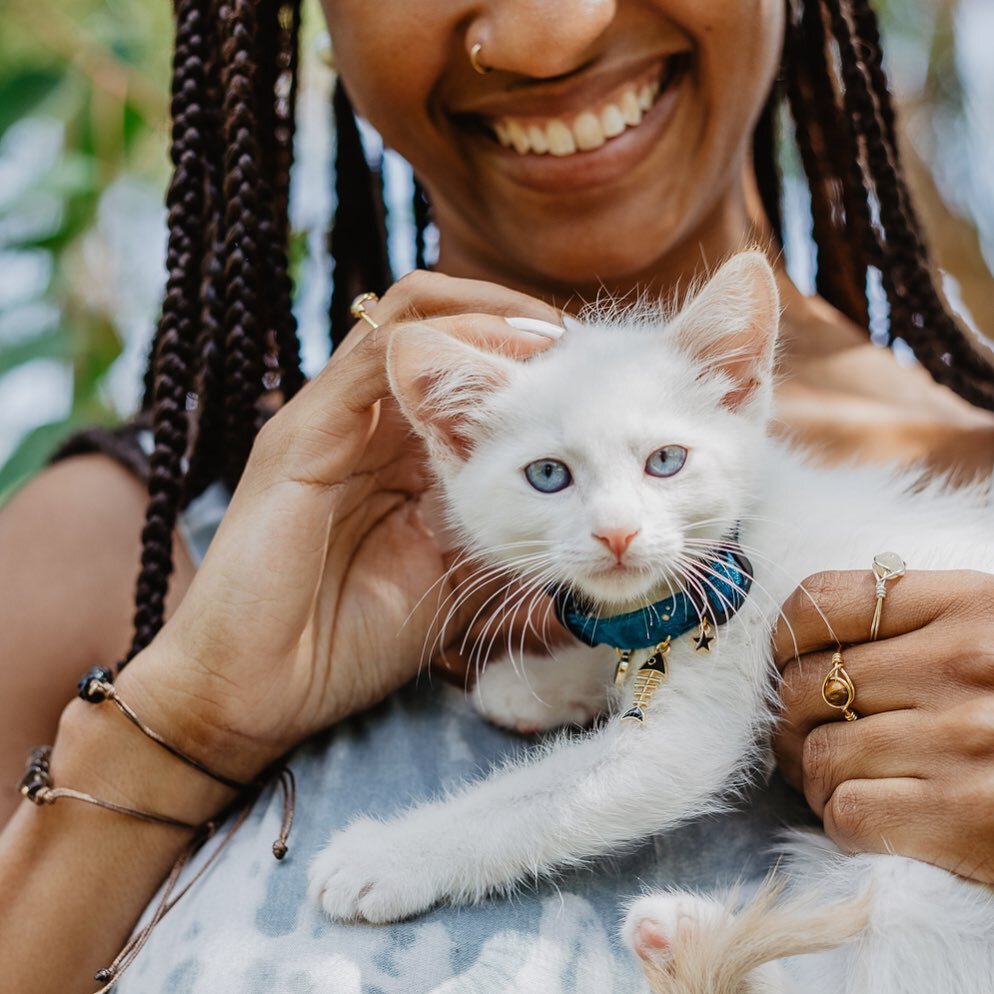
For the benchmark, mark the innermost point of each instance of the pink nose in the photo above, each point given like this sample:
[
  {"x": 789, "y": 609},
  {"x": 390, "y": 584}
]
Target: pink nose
[{"x": 616, "y": 539}]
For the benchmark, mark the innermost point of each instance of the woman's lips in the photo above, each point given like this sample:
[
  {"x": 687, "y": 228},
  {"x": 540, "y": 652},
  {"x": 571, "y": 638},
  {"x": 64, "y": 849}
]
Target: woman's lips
[
  {"x": 591, "y": 145},
  {"x": 591, "y": 126}
]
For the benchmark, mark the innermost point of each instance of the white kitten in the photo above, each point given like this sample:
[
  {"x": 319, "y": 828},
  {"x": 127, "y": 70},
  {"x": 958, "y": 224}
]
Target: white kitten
[{"x": 614, "y": 464}]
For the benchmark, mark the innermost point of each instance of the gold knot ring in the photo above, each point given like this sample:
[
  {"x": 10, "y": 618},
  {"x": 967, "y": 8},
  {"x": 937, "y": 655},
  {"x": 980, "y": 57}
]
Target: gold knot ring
[
  {"x": 358, "y": 308},
  {"x": 837, "y": 689},
  {"x": 887, "y": 566},
  {"x": 474, "y": 59}
]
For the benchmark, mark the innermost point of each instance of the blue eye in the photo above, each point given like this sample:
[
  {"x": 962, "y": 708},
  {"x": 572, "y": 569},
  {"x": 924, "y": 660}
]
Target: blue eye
[
  {"x": 667, "y": 461},
  {"x": 548, "y": 475}
]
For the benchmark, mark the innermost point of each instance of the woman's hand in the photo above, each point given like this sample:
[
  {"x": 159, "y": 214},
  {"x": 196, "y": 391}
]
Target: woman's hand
[
  {"x": 914, "y": 774},
  {"x": 310, "y": 603}
]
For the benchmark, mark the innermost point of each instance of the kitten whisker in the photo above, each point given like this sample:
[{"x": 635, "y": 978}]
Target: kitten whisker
[
  {"x": 702, "y": 572},
  {"x": 466, "y": 590},
  {"x": 756, "y": 554}
]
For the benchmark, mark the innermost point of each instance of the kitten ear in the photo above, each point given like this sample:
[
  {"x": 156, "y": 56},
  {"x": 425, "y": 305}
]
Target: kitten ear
[
  {"x": 439, "y": 382},
  {"x": 731, "y": 325}
]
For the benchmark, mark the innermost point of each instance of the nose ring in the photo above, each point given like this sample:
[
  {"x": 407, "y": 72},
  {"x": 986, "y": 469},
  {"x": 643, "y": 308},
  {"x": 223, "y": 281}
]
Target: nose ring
[{"x": 474, "y": 59}]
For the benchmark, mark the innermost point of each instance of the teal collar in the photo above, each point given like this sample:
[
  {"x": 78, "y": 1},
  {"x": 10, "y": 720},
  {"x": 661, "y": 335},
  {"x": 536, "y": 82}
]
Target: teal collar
[{"x": 720, "y": 597}]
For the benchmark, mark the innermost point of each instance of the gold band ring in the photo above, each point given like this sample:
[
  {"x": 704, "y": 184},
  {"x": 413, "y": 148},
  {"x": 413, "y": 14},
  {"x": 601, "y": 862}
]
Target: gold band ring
[
  {"x": 358, "y": 308},
  {"x": 887, "y": 566},
  {"x": 474, "y": 59},
  {"x": 837, "y": 689}
]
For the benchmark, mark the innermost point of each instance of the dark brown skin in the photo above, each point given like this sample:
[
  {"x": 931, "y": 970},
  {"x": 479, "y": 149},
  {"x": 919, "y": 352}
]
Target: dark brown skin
[
  {"x": 914, "y": 773},
  {"x": 327, "y": 506}
]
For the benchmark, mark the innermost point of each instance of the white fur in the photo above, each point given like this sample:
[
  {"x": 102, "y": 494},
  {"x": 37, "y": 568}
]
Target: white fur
[{"x": 601, "y": 400}]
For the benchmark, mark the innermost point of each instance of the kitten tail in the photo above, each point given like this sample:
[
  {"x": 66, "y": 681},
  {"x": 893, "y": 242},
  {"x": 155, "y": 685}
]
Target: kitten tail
[{"x": 734, "y": 953}]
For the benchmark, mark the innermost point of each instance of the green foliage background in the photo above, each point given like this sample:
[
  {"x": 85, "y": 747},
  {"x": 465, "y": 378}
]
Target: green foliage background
[{"x": 101, "y": 68}]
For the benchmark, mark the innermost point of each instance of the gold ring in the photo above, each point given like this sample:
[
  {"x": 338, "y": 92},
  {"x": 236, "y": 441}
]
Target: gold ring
[
  {"x": 837, "y": 689},
  {"x": 358, "y": 308},
  {"x": 474, "y": 59},
  {"x": 887, "y": 566}
]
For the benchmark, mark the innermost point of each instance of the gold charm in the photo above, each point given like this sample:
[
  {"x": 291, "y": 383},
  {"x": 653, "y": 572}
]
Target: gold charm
[
  {"x": 621, "y": 670},
  {"x": 652, "y": 674},
  {"x": 704, "y": 637},
  {"x": 837, "y": 689}
]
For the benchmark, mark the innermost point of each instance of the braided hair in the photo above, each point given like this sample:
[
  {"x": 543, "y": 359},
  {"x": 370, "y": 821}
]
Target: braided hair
[{"x": 226, "y": 351}]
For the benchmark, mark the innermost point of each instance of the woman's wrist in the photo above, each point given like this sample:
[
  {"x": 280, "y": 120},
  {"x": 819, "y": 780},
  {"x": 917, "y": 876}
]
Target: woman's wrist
[
  {"x": 97, "y": 751},
  {"x": 194, "y": 710},
  {"x": 114, "y": 861}
]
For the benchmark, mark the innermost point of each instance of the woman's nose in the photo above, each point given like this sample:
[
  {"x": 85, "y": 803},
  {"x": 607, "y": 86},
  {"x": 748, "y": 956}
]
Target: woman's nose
[{"x": 538, "y": 38}]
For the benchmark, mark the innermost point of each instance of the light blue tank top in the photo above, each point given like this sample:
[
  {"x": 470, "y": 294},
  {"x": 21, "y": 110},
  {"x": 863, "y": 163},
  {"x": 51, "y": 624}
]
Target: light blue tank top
[{"x": 248, "y": 926}]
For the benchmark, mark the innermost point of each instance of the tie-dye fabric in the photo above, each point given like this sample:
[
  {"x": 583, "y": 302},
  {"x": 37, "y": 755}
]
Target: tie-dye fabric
[{"x": 248, "y": 926}]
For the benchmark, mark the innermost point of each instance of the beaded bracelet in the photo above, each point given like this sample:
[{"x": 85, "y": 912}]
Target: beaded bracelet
[
  {"x": 95, "y": 687},
  {"x": 36, "y": 785}
]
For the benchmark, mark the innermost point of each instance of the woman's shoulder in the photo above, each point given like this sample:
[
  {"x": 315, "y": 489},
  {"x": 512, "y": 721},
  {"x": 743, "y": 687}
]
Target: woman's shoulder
[
  {"x": 852, "y": 399},
  {"x": 70, "y": 545},
  {"x": 73, "y": 533}
]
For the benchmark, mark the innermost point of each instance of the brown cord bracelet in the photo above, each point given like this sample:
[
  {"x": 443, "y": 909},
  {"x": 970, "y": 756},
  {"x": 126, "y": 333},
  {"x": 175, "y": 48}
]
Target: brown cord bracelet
[{"x": 36, "y": 785}]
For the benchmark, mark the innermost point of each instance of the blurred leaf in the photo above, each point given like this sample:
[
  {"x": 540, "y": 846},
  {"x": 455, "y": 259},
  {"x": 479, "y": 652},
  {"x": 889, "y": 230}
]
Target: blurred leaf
[
  {"x": 54, "y": 344},
  {"x": 31, "y": 454},
  {"x": 21, "y": 93},
  {"x": 103, "y": 346},
  {"x": 135, "y": 126}
]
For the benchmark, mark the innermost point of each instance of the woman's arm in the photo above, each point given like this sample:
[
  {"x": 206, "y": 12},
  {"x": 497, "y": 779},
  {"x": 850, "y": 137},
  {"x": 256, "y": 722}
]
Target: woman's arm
[
  {"x": 74, "y": 878},
  {"x": 297, "y": 617},
  {"x": 69, "y": 545}
]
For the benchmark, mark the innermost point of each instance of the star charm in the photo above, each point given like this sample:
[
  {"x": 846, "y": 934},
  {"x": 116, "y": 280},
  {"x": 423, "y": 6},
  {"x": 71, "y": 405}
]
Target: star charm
[{"x": 704, "y": 638}]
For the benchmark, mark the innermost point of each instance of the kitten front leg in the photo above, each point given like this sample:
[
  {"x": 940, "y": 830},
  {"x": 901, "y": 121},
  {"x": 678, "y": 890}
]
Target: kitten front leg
[
  {"x": 537, "y": 693},
  {"x": 580, "y": 798}
]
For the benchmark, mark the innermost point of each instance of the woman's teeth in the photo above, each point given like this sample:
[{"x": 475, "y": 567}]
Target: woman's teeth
[{"x": 581, "y": 133}]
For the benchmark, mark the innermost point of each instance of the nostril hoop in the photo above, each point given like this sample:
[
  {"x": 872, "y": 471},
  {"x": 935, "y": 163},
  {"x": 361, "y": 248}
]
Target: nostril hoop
[{"x": 474, "y": 59}]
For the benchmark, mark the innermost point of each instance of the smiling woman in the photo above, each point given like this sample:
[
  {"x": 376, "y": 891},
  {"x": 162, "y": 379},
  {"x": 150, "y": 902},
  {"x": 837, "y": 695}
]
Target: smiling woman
[
  {"x": 686, "y": 80},
  {"x": 609, "y": 146}
]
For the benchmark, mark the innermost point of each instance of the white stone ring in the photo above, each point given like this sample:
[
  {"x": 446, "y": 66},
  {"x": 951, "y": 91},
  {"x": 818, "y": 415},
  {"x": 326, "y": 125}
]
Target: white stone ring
[{"x": 887, "y": 566}]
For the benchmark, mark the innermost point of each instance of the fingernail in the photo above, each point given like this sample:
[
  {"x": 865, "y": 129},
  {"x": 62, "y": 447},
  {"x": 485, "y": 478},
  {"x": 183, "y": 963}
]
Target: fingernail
[{"x": 544, "y": 328}]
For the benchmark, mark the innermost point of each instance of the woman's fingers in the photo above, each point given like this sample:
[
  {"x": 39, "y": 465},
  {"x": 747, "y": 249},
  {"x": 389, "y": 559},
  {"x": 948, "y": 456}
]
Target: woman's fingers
[
  {"x": 836, "y": 607},
  {"x": 320, "y": 436},
  {"x": 424, "y": 296},
  {"x": 906, "y": 781},
  {"x": 838, "y": 751},
  {"x": 917, "y": 673},
  {"x": 913, "y": 774},
  {"x": 910, "y": 671},
  {"x": 882, "y": 816}
]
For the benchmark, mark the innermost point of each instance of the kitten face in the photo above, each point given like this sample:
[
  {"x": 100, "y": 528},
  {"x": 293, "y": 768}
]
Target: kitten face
[
  {"x": 611, "y": 458},
  {"x": 603, "y": 429}
]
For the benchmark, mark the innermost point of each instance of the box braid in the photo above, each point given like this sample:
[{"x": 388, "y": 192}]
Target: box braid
[
  {"x": 422, "y": 218},
  {"x": 829, "y": 155},
  {"x": 226, "y": 348},
  {"x": 226, "y": 340},
  {"x": 172, "y": 346},
  {"x": 358, "y": 240},
  {"x": 847, "y": 138},
  {"x": 206, "y": 456}
]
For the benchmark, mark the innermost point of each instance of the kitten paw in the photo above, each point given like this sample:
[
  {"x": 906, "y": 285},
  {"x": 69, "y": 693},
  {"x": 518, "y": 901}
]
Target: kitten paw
[
  {"x": 540, "y": 702},
  {"x": 375, "y": 872},
  {"x": 658, "y": 925}
]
